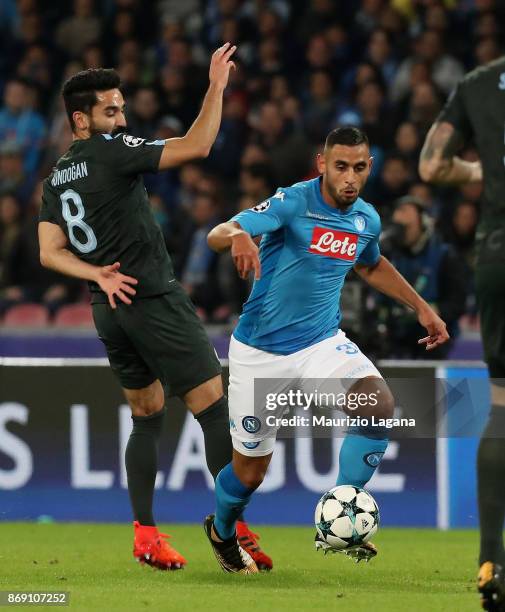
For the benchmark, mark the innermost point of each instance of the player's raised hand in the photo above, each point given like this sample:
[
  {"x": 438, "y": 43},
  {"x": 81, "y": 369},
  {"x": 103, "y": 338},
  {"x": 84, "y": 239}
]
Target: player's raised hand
[
  {"x": 220, "y": 65},
  {"x": 435, "y": 327},
  {"x": 115, "y": 284},
  {"x": 245, "y": 255}
]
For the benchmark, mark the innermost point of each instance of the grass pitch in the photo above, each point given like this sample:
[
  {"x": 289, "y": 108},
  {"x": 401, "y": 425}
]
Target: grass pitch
[{"x": 416, "y": 570}]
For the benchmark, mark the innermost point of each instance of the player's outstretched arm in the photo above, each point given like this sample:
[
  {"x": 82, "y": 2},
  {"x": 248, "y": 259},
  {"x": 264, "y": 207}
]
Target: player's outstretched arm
[
  {"x": 55, "y": 255},
  {"x": 243, "y": 248},
  {"x": 201, "y": 135},
  {"x": 438, "y": 162},
  {"x": 384, "y": 277}
]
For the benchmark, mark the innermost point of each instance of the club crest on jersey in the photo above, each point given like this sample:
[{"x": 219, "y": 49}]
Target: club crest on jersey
[
  {"x": 132, "y": 141},
  {"x": 251, "y": 424},
  {"x": 331, "y": 243},
  {"x": 359, "y": 223},
  {"x": 259, "y": 208}
]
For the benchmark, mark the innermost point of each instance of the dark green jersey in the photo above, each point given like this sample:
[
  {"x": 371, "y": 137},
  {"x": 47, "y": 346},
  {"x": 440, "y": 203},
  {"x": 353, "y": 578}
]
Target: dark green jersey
[
  {"x": 96, "y": 194},
  {"x": 476, "y": 108}
]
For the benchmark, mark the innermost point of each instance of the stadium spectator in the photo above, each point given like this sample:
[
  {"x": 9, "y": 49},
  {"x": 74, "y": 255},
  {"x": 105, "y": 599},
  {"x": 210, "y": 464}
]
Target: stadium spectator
[
  {"x": 10, "y": 227},
  {"x": 13, "y": 179},
  {"x": 256, "y": 182},
  {"x": 320, "y": 106},
  {"x": 486, "y": 50},
  {"x": 445, "y": 70},
  {"x": 393, "y": 182},
  {"x": 407, "y": 141},
  {"x": 367, "y": 17},
  {"x": 81, "y": 29},
  {"x": 225, "y": 155},
  {"x": 461, "y": 232},
  {"x": 19, "y": 122},
  {"x": 432, "y": 267},
  {"x": 175, "y": 99},
  {"x": 424, "y": 105},
  {"x": 93, "y": 56},
  {"x": 197, "y": 264},
  {"x": 318, "y": 55},
  {"x": 143, "y": 118},
  {"x": 288, "y": 150},
  {"x": 317, "y": 15},
  {"x": 25, "y": 279},
  {"x": 253, "y": 153},
  {"x": 380, "y": 53},
  {"x": 191, "y": 177},
  {"x": 35, "y": 67}
]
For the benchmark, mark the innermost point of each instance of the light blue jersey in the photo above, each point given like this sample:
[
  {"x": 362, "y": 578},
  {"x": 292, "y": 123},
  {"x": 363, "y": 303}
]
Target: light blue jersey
[{"x": 306, "y": 251}]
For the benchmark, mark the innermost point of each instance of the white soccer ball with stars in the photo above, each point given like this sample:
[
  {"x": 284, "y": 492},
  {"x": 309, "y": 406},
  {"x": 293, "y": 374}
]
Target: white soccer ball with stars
[{"x": 346, "y": 516}]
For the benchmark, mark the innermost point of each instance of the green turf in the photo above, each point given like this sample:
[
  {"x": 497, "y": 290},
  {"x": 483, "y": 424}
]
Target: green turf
[{"x": 416, "y": 571}]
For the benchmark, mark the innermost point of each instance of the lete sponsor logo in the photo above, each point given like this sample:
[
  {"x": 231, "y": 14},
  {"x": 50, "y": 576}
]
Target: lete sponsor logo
[{"x": 330, "y": 243}]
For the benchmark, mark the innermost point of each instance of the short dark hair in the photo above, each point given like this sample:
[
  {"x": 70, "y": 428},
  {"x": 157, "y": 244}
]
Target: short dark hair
[
  {"x": 79, "y": 91},
  {"x": 347, "y": 135}
]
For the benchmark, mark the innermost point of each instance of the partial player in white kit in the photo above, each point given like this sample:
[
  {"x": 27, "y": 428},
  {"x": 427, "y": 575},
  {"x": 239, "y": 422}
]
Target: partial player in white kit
[{"x": 313, "y": 233}]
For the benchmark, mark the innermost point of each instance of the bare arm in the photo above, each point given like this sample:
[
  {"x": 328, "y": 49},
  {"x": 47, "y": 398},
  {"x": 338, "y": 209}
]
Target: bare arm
[
  {"x": 385, "y": 278},
  {"x": 438, "y": 162},
  {"x": 55, "y": 255},
  {"x": 243, "y": 248},
  {"x": 201, "y": 135}
]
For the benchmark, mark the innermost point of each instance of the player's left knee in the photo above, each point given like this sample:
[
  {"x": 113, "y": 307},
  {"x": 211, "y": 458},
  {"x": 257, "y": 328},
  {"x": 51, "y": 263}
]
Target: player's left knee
[
  {"x": 251, "y": 471},
  {"x": 374, "y": 397}
]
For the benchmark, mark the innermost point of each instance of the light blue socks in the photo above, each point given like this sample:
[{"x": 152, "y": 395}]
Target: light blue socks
[
  {"x": 231, "y": 499},
  {"x": 359, "y": 458}
]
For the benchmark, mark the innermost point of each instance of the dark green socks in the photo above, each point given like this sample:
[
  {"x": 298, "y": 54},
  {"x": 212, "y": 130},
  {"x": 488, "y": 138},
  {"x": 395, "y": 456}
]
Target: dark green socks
[
  {"x": 491, "y": 487},
  {"x": 215, "y": 425},
  {"x": 142, "y": 464}
]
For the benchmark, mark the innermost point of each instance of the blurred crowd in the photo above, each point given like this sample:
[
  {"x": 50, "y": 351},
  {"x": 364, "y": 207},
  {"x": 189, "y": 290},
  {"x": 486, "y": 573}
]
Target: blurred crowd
[{"x": 303, "y": 68}]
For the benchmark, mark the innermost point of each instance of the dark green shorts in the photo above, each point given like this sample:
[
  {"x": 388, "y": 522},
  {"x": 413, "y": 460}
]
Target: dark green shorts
[
  {"x": 157, "y": 337},
  {"x": 490, "y": 288}
]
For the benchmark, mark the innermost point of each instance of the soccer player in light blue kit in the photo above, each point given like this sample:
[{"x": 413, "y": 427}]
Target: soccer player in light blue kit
[{"x": 313, "y": 234}]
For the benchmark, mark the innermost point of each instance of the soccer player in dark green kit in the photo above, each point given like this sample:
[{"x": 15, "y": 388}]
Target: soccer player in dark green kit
[
  {"x": 476, "y": 110},
  {"x": 96, "y": 224}
]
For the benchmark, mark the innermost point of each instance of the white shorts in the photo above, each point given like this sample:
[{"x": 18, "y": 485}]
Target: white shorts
[{"x": 333, "y": 359}]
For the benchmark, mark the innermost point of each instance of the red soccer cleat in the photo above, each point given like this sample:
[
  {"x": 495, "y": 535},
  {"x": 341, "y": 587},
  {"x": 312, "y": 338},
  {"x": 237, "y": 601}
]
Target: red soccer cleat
[
  {"x": 248, "y": 540},
  {"x": 151, "y": 549}
]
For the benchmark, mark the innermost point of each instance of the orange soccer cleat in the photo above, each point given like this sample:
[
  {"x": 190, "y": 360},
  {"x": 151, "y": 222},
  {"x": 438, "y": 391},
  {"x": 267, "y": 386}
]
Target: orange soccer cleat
[
  {"x": 150, "y": 548},
  {"x": 249, "y": 542}
]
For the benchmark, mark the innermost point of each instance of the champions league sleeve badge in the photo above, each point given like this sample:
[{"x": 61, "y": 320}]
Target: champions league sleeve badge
[{"x": 259, "y": 208}]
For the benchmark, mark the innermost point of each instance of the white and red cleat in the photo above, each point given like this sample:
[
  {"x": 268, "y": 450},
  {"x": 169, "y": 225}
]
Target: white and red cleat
[{"x": 249, "y": 542}]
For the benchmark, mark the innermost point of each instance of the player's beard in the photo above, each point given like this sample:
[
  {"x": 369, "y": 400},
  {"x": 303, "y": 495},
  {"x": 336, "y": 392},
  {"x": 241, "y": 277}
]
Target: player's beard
[
  {"x": 94, "y": 128},
  {"x": 342, "y": 201},
  {"x": 119, "y": 130}
]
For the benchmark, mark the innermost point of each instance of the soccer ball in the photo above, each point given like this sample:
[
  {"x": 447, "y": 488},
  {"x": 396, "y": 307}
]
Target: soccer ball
[{"x": 346, "y": 516}]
